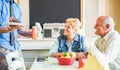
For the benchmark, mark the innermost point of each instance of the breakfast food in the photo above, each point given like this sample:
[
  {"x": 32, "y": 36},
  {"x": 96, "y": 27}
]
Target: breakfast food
[
  {"x": 72, "y": 54},
  {"x": 68, "y": 55},
  {"x": 66, "y": 58}
]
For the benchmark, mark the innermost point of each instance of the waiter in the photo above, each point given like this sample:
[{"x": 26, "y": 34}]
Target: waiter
[{"x": 10, "y": 12}]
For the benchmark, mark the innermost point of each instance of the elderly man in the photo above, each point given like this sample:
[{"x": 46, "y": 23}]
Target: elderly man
[{"x": 107, "y": 46}]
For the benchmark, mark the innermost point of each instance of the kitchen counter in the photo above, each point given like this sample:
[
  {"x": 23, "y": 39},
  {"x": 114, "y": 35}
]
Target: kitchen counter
[
  {"x": 40, "y": 44},
  {"x": 32, "y": 44}
]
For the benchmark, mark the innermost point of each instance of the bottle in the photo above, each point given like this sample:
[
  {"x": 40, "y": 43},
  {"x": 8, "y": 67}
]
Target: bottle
[
  {"x": 39, "y": 30},
  {"x": 34, "y": 32}
]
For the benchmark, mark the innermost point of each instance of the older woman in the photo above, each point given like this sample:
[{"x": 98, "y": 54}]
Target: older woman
[{"x": 71, "y": 41}]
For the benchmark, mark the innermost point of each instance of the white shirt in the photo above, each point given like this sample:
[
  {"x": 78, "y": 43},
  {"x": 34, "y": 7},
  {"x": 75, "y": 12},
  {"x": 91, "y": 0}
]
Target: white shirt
[
  {"x": 107, "y": 50},
  {"x": 55, "y": 47}
]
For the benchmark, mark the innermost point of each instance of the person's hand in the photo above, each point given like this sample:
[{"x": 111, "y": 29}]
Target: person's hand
[
  {"x": 22, "y": 32},
  {"x": 81, "y": 55},
  {"x": 13, "y": 27},
  {"x": 12, "y": 19},
  {"x": 29, "y": 34},
  {"x": 56, "y": 54}
]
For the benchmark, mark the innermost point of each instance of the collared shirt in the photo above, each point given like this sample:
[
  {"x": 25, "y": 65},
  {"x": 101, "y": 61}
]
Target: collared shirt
[
  {"x": 4, "y": 17},
  {"x": 111, "y": 53},
  {"x": 83, "y": 47},
  {"x": 103, "y": 43}
]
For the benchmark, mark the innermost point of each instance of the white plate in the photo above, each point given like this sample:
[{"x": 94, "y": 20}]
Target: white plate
[{"x": 13, "y": 23}]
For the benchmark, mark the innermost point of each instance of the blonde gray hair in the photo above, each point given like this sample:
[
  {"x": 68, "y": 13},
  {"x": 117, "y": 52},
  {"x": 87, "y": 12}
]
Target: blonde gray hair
[{"x": 75, "y": 23}]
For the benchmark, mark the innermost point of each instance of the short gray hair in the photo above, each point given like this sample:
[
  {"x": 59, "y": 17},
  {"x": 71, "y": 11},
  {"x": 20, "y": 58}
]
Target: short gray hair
[{"x": 109, "y": 20}]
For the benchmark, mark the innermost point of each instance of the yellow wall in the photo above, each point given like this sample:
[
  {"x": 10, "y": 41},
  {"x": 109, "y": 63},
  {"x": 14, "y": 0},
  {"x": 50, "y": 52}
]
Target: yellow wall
[{"x": 113, "y": 9}]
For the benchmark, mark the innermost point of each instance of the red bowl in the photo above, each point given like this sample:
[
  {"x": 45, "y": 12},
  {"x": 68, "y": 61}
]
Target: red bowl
[{"x": 65, "y": 61}]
